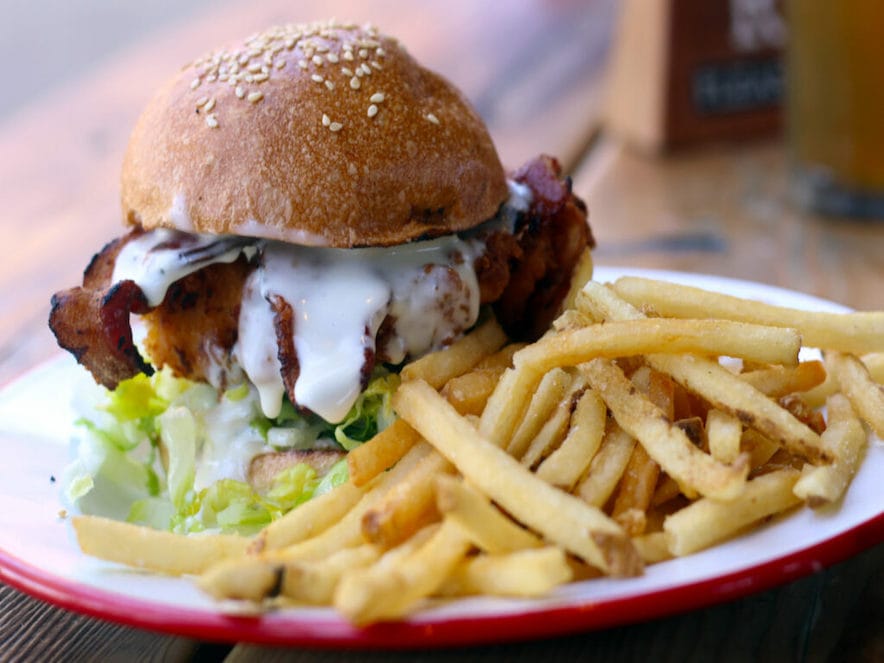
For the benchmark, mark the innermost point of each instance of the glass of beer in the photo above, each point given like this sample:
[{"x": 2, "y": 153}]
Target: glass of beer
[{"x": 835, "y": 106}]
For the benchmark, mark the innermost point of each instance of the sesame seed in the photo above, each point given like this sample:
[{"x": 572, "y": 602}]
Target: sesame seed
[
  {"x": 360, "y": 73},
  {"x": 318, "y": 61},
  {"x": 280, "y": 64},
  {"x": 194, "y": 84},
  {"x": 302, "y": 64},
  {"x": 376, "y": 65},
  {"x": 377, "y": 97},
  {"x": 432, "y": 118},
  {"x": 212, "y": 121},
  {"x": 255, "y": 97},
  {"x": 333, "y": 58},
  {"x": 260, "y": 78},
  {"x": 346, "y": 71},
  {"x": 354, "y": 83},
  {"x": 202, "y": 101},
  {"x": 330, "y": 85},
  {"x": 366, "y": 69},
  {"x": 211, "y": 78},
  {"x": 326, "y": 120},
  {"x": 372, "y": 110},
  {"x": 363, "y": 53},
  {"x": 239, "y": 92},
  {"x": 380, "y": 52},
  {"x": 335, "y": 126},
  {"x": 254, "y": 68},
  {"x": 317, "y": 78},
  {"x": 210, "y": 105},
  {"x": 348, "y": 55}
]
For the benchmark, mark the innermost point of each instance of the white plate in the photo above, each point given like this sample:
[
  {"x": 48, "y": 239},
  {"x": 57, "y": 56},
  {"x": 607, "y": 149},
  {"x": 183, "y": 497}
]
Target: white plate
[{"x": 38, "y": 553}]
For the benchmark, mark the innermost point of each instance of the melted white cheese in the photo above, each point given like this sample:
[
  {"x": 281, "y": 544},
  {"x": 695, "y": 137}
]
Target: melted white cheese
[
  {"x": 154, "y": 267},
  {"x": 339, "y": 298}
]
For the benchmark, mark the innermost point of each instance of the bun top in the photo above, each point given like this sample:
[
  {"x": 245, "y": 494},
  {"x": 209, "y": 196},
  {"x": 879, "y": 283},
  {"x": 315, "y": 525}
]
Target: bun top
[{"x": 320, "y": 135}]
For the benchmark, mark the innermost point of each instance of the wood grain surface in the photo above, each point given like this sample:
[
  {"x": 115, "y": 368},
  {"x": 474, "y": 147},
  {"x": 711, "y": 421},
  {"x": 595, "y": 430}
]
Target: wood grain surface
[{"x": 535, "y": 70}]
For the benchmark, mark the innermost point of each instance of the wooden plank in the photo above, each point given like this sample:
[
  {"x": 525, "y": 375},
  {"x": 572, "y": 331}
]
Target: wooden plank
[
  {"x": 533, "y": 71},
  {"x": 725, "y": 211}
]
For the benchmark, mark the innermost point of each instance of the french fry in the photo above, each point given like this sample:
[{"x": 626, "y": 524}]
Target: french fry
[
  {"x": 347, "y": 531},
  {"x": 848, "y": 332},
  {"x": 469, "y": 393},
  {"x": 652, "y": 547},
  {"x": 309, "y": 519},
  {"x": 409, "y": 504},
  {"x": 559, "y": 517},
  {"x": 723, "y": 431},
  {"x": 579, "y": 277},
  {"x": 437, "y": 368},
  {"x": 147, "y": 548},
  {"x": 381, "y": 452},
  {"x": 823, "y": 485},
  {"x": 483, "y": 523},
  {"x": 607, "y": 467},
  {"x": 866, "y": 396},
  {"x": 507, "y": 405},
  {"x": 649, "y": 335},
  {"x": 665, "y": 443},
  {"x": 777, "y": 381},
  {"x": 549, "y": 394},
  {"x": 635, "y": 491},
  {"x": 553, "y": 431},
  {"x": 523, "y": 573},
  {"x": 718, "y": 385},
  {"x": 759, "y": 447},
  {"x": 502, "y": 359},
  {"x": 709, "y": 521},
  {"x": 377, "y": 594},
  {"x": 258, "y": 578},
  {"x": 564, "y": 467}
]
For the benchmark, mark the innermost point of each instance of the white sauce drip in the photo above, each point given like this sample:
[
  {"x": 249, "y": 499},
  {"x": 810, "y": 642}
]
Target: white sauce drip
[
  {"x": 154, "y": 269},
  {"x": 339, "y": 297}
]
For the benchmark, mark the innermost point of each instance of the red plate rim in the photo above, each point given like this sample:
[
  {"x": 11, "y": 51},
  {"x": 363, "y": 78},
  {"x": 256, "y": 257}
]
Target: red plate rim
[{"x": 471, "y": 630}]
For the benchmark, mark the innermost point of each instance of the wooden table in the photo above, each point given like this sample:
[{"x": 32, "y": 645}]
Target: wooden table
[{"x": 535, "y": 72}]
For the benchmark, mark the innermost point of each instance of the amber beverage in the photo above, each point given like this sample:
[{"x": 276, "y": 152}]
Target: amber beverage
[{"x": 835, "y": 109}]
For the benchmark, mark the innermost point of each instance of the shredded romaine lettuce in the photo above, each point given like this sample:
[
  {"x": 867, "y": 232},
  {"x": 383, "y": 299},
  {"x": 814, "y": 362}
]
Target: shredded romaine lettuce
[{"x": 173, "y": 454}]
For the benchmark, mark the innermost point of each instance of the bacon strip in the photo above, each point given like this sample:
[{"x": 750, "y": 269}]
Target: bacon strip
[{"x": 92, "y": 321}]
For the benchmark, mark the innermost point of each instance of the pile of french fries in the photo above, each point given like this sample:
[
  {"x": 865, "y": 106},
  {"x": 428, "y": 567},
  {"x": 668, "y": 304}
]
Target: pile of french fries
[{"x": 654, "y": 420}]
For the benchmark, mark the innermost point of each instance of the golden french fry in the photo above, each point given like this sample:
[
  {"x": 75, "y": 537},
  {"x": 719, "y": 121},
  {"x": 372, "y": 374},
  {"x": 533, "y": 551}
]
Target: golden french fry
[
  {"x": 437, "y": 368},
  {"x": 559, "y": 517},
  {"x": 502, "y": 359},
  {"x": 759, "y": 447},
  {"x": 848, "y": 332},
  {"x": 523, "y": 573},
  {"x": 866, "y": 396},
  {"x": 147, "y": 548},
  {"x": 649, "y": 335},
  {"x": 469, "y": 393},
  {"x": 347, "y": 530},
  {"x": 819, "y": 486},
  {"x": 723, "y": 431},
  {"x": 579, "y": 277},
  {"x": 375, "y": 594},
  {"x": 507, "y": 405},
  {"x": 553, "y": 431},
  {"x": 550, "y": 392},
  {"x": 709, "y": 521},
  {"x": 564, "y": 467},
  {"x": 665, "y": 443},
  {"x": 652, "y": 547},
  {"x": 381, "y": 452},
  {"x": 408, "y": 506},
  {"x": 607, "y": 467},
  {"x": 483, "y": 523},
  {"x": 309, "y": 519},
  {"x": 635, "y": 491},
  {"x": 777, "y": 381},
  {"x": 719, "y": 386}
]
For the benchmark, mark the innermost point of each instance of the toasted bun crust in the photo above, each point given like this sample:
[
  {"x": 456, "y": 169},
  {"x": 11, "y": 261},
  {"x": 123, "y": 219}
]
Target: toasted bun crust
[{"x": 331, "y": 135}]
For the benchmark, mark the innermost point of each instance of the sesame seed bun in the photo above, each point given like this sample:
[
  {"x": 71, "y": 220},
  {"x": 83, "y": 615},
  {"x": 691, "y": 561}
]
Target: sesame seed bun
[{"x": 330, "y": 135}]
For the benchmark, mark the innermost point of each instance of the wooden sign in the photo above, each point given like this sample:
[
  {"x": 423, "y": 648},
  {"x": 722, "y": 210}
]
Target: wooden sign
[{"x": 687, "y": 71}]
